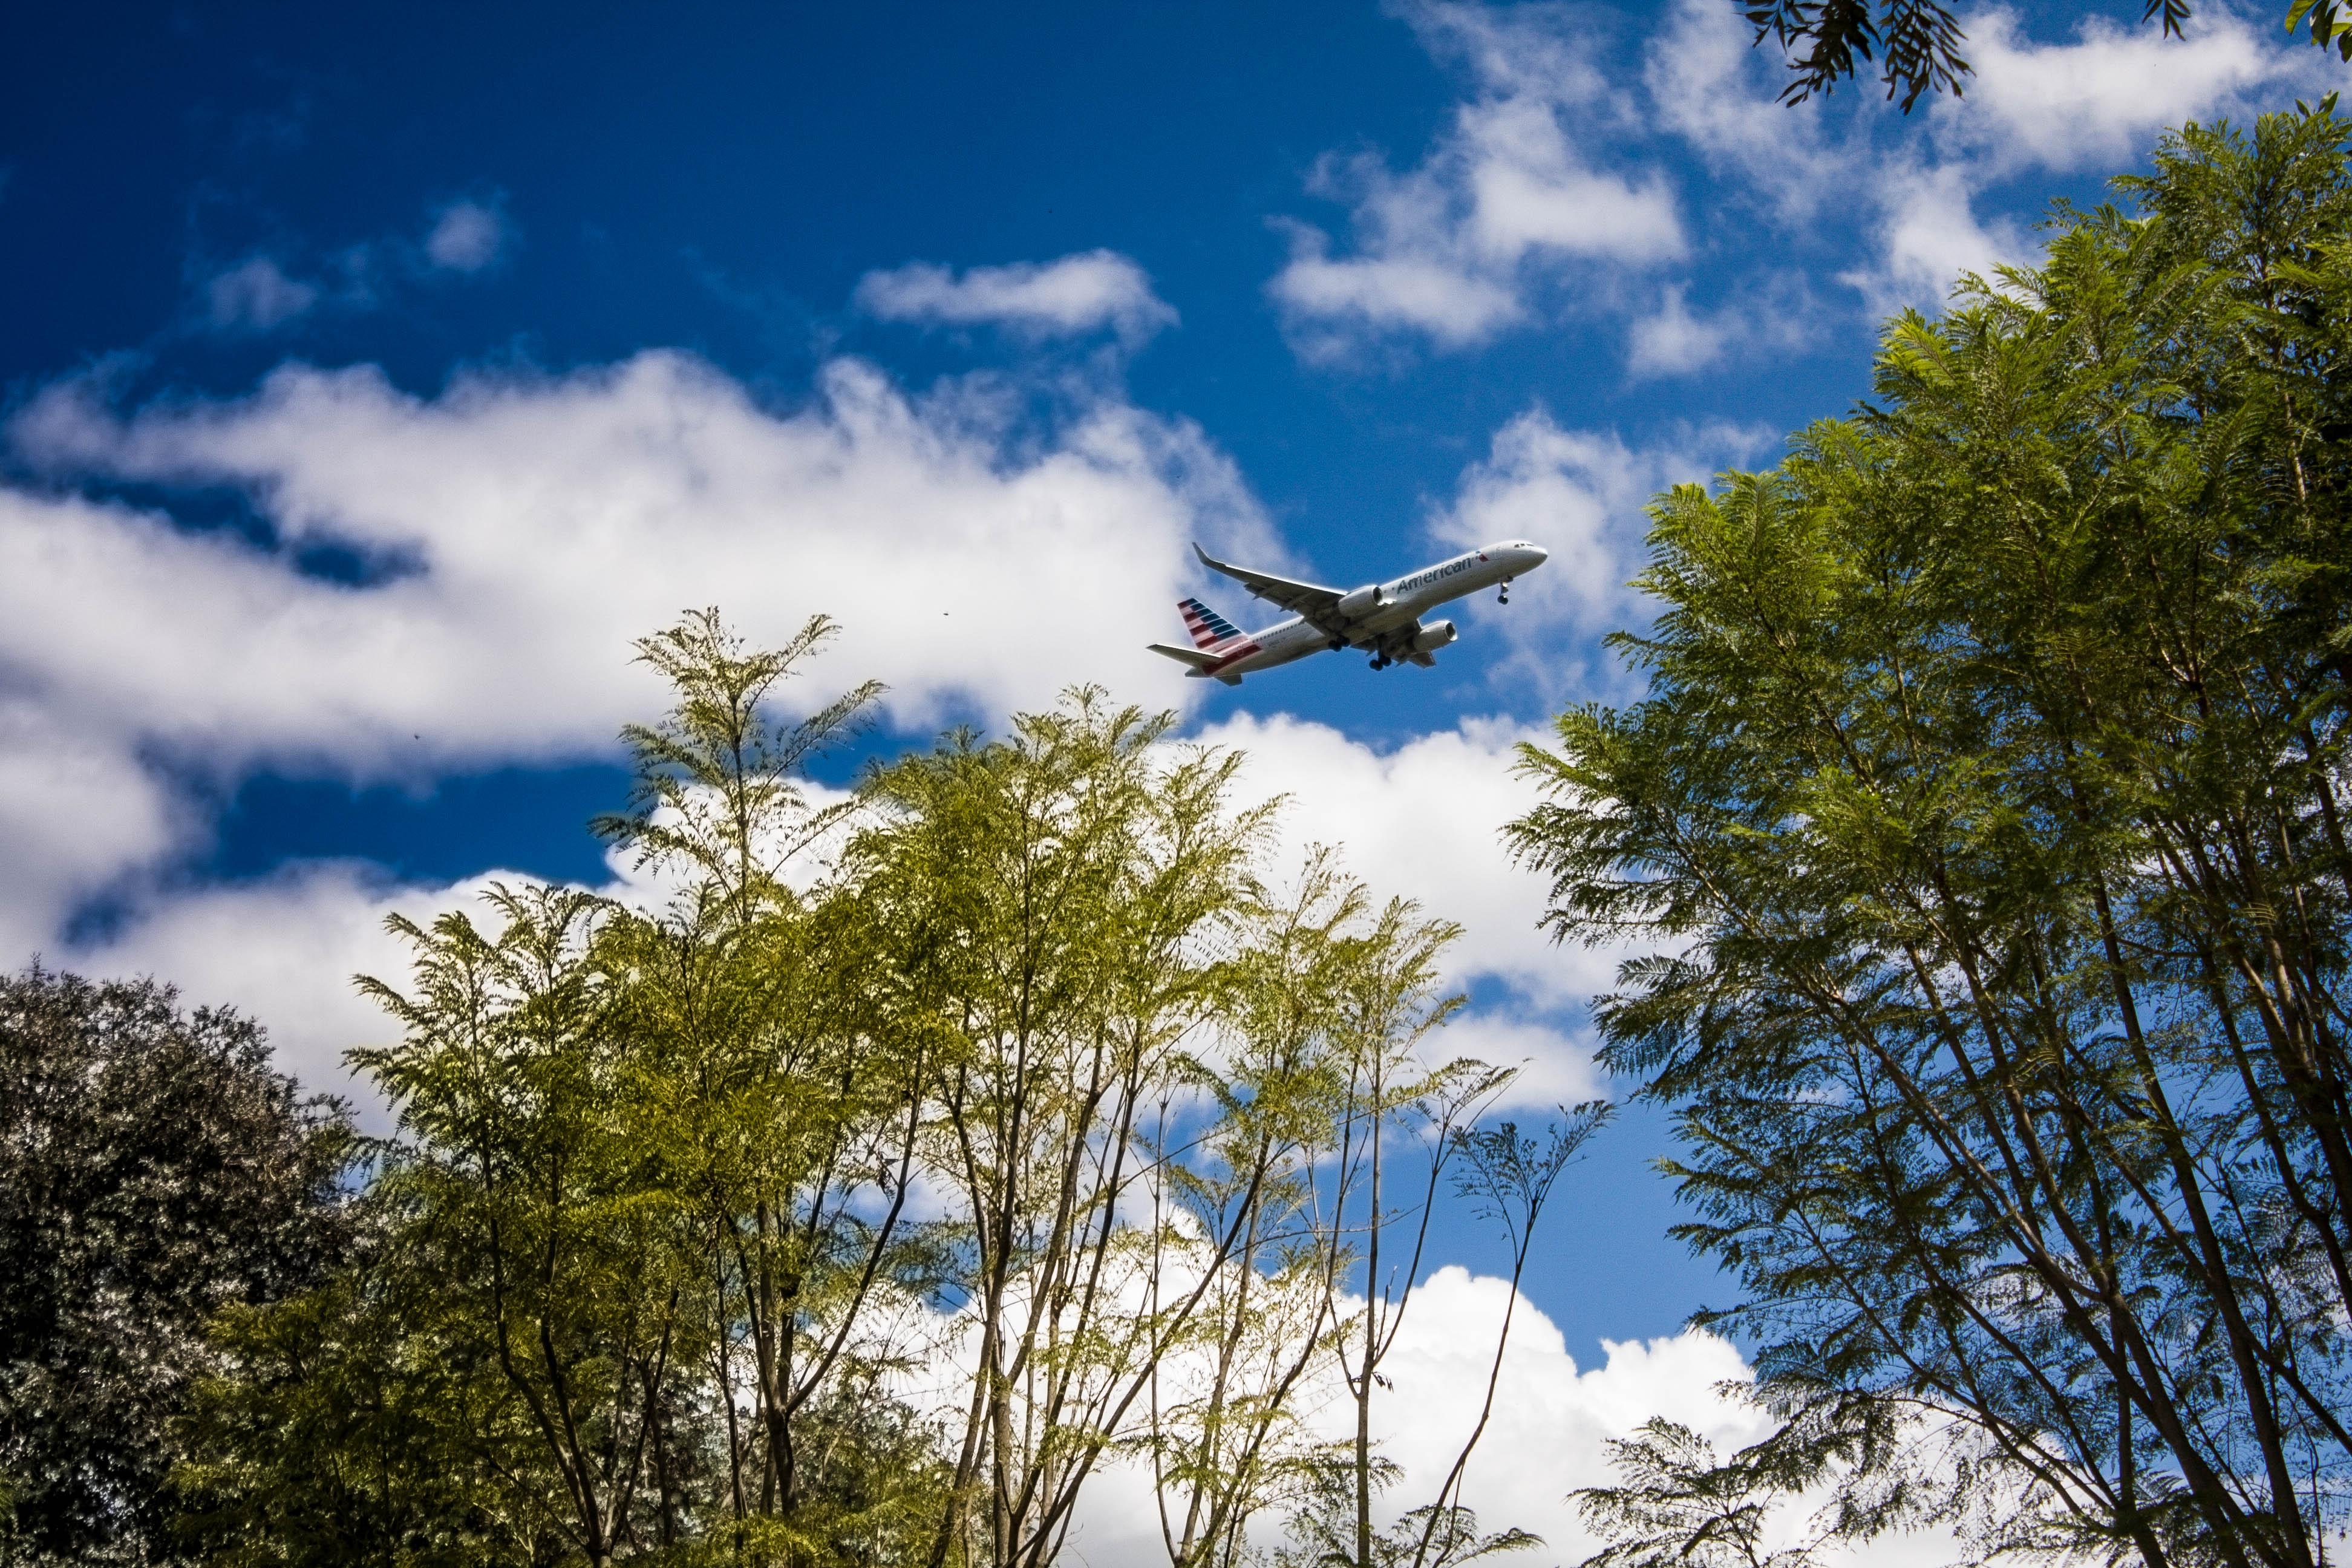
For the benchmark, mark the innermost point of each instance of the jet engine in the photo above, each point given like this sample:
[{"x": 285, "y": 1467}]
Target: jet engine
[
  {"x": 1435, "y": 635},
  {"x": 1363, "y": 602}
]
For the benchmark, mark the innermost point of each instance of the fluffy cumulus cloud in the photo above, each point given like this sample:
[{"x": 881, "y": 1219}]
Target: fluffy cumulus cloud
[
  {"x": 77, "y": 811},
  {"x": 1928, "y": 235},
  {"x": 1549, "y": 172},
  {"x": 1579, "y": 494},
  {"x": 1768, "y": 312},
  {"x": 1514, "y": 192},
  {"x": 1092, "y": 291},
  {"x": 1427, "y": 818},
  {"x": 512, "y": 534},
  {"x": 2098, "y": 100},
  {"x": 1547, "y": 1435}
]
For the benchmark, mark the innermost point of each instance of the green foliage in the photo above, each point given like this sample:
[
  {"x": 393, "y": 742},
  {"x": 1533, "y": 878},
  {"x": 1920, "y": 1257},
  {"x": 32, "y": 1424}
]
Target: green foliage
[
  {"x": 2326, "y": 22},
  {"x": 639, "y": 1279},
  {"x": 360, "y": 1422},
  {"x": 1680, "y": 1506},
  {"x": 154, "y": 1170},
  {"x": 1986, "y": 814},
  {"x": 1057, "y": 901}
]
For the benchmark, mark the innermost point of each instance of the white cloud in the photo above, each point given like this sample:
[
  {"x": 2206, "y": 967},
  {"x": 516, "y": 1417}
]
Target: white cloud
[
  {"x": 1448, "y": 304},
  {"x": 1674, "y": 342},
  {"x": 1928, "y": 235},
  {"x": 634, "y": 489},
  {"x": 1580, "y": 494},
  {"x": 1426, "y": 819},
  {"x": 1546, "y": 1437},
  {"x": 77, "y": 810},
  {"x": 283, "y": 950},
  {"x": 1076, "y": 294},
  {"x": 466, "y": 237},
  {"x": 2102, "y": 100},
  {"x": 534, "y": 524},
  {"x": 1451, "y": 249},
  {"x": 1708, "y": 84},
  {"x": 256, "y": 295},
  {"x": 1763, "y": 314}
]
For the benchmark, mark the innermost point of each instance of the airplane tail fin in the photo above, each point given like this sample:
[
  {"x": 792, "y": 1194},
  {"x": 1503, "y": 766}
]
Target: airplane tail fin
[{"x": 1208, "y": 627}]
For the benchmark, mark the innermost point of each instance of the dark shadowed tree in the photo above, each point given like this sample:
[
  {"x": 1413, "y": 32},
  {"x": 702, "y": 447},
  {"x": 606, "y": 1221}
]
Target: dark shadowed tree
[
  {"x": 1916, "y": 43},
  {"x": 154, "y": 1170}
]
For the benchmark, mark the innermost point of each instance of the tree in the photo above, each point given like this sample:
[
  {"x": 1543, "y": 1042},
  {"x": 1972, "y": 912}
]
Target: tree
[
  {"x": 1921, "y": 39},
  {"x": 1681, "y": 1507},
  {"x": 781, "y": 1085},
  {"x": 609, "y": 1302},
  {"x": 1397, "y": 1124},
  {"x": 1055, "y": 900},
  {"x": 360, "y": 1422},
  {"x": 853, "y": 1195},
  {"x": 154, "y": 1170},
  {"x": 1987, "y": 808},
  {"x": 565, "y": 1272},
  {"x": 1225, "y": 1436}
]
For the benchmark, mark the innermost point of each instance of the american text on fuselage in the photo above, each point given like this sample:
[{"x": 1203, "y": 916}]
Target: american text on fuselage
[{"x": 1382, "y": 619}]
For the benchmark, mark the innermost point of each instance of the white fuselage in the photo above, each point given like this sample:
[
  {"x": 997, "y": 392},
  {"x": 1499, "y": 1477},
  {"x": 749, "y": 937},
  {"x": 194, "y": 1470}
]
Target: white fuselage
[{"x": 1395, "y": 606}]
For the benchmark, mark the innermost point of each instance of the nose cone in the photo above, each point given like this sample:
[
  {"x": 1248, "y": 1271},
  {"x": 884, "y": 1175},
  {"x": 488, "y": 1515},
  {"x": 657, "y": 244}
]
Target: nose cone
[{"x": 1531, "y": 556}]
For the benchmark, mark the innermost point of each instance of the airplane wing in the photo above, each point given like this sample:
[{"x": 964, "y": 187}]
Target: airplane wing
[
  {"x": 1317, "y": 604},
  {"x": 1398, "y": 644}
]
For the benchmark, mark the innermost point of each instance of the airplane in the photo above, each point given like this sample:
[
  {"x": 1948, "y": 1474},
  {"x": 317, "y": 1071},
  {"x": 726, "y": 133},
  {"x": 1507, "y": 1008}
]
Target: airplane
[{"x": 1379, "y": 618}]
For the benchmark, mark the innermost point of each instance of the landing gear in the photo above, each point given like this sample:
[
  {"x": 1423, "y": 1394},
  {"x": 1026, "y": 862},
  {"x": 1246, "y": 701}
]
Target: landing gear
[
  {"x": 1504, "y": 597},
  {"x": 1381, "y": 661},
  {"x": 1338, "y": 643}
]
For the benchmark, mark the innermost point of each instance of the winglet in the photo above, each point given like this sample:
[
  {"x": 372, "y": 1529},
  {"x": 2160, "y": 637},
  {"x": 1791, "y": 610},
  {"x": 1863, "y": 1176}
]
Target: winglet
[{"x": 1211, "y": 562}]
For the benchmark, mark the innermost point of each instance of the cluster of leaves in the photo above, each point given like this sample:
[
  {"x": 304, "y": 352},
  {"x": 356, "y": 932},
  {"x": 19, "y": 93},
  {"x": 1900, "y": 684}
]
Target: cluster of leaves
[
  {"x": 1988, "y": 805},
  {"x": 922, "y": 1150},
  {"x": 153, "y": 1173}
]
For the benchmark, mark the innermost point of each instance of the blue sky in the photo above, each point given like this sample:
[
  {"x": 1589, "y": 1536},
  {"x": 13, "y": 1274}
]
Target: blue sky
[{"x": 373, "y": 375}]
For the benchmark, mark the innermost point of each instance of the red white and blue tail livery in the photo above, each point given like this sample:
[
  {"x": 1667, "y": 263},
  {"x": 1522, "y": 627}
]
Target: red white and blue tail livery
[
  {"x": 1382, "y": 619},
  {"x": 1209, "y": 629}
]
